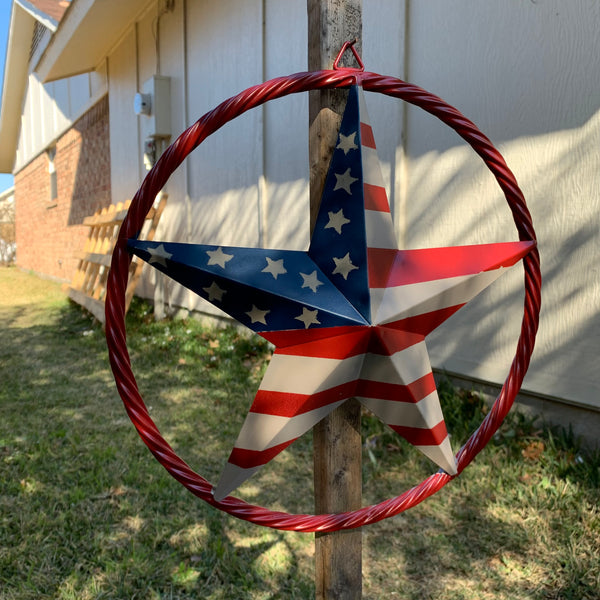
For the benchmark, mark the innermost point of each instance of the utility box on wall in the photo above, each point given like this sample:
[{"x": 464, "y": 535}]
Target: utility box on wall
[{"x": 154, "y": 102}]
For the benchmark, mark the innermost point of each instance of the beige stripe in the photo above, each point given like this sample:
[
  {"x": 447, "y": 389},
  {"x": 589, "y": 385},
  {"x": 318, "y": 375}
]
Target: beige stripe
[
  {"x": 362, "y": 107},
  {"x": 308, "y": 375},
  {"x": 401, "y": 368},
  {"x": 261, "y": 431},
  {"x": 380, "y": 230},
  {"x": 424, "y": 414},
  {"x": 371, "y": 167},
  {"x": 441, "y": 455},
  {"x": 231, "y": 478},
  {"x": 419, "y": 298}
]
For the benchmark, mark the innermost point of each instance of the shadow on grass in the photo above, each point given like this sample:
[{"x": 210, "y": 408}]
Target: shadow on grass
[
  {"x": 85, "y": 510},
  {"x": 496, "y": 532}
]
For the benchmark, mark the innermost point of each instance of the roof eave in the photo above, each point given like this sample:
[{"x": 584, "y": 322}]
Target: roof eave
[
  {"x": 38, "y": 15},
  {"x": 87, "y": 33},
  {"x": 20, "y": 33}
]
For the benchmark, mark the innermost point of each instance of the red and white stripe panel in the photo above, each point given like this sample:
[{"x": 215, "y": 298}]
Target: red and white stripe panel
[
  {"x": 295, "y": 394},
  {"x": 397, "y": 386},
  {"x": 408, "y": 284},
  {"x": 378, "y": 219},
  {"x": 387, "y": 370}
]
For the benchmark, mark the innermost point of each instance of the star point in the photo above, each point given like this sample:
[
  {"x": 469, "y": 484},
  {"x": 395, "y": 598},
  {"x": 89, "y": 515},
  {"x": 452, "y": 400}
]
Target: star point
[
  {"x": 347, "y": 142},
  {"x": 343, "y": 266},
  {"x": 218, "y": 257},
  {"x": 337, "y": 220},
  {"x": 344, "y": 181},
  {"x": 274, "y": 267}
]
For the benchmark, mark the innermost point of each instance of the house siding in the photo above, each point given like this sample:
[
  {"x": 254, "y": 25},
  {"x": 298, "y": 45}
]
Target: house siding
[
  {"x": 248, "y": 183},
  {"x": 528, "y": 77},
  {"x": 49, "y": 231}
]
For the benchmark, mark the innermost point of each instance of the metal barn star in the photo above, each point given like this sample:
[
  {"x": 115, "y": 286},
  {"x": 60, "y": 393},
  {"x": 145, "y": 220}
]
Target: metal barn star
[{"x": 348, "y": 317}]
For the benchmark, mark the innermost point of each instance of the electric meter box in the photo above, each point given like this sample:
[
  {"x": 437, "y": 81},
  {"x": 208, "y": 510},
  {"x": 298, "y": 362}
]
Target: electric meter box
[{"x": 158, "y": 88}]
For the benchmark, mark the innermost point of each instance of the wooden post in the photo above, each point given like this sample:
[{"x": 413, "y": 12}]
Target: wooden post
[{"x": 337, "y": 439}]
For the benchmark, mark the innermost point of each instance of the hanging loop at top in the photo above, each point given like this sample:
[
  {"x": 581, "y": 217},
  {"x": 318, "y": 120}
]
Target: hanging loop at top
[{"x": 336, "y": 62}]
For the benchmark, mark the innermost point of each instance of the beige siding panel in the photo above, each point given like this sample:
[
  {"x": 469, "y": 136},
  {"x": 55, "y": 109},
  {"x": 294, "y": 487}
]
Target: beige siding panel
[
  {"x": 224, "y": 56},
  {"x": 79, "y": 91},
  {"x": 383, "y": 52},
  {"x": 34, "y": 115},
  {"x": 61, "y": 104},
  {"x": 25, "y": 145},
  {"x": 173, "y": 225},
  {"x": 285, "y": 208},
  {"x": 172, "y": 64},
  {"x": 532, "y": 84},
  {"x": 124, "y": 147},
  {"x": 98, "y": 81},
  {"x": 146, "y": 68},
  {"x": 46, "y": 110}
]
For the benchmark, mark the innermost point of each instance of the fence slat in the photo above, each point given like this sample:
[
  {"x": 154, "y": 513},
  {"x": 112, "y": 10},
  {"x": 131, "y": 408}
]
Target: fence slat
[{"x": 88, "y": 286}]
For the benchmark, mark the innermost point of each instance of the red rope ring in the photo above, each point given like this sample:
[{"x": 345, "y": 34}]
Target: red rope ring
[{"x": 156, "y": 179}]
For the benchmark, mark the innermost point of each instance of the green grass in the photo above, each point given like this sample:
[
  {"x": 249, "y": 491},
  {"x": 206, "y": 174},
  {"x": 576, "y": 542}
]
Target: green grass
[{"x": 87, "y": 512}]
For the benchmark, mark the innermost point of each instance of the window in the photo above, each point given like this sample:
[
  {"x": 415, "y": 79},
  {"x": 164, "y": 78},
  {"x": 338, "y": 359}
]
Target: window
[{"x": 51, "y": 152}]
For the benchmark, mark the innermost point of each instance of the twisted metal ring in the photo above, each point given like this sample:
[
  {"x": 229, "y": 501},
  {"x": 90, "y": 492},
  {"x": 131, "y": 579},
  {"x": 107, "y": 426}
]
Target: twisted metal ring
[{"x": 141, "y": 204}]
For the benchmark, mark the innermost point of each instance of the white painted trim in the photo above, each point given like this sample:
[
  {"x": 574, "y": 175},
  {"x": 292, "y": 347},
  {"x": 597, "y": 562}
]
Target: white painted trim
[
  {"x": 8, "y": 194},
  {"x": 20, "y": 32},
  {"x": 38, "y": 15},
  {"x": 86, "y": 35},
  {"x": 52, "y": 142}
]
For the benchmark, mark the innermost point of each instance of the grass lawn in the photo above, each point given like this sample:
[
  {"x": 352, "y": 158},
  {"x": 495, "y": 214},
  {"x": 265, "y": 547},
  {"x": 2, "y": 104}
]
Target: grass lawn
[{"x": 87, "y": 512}]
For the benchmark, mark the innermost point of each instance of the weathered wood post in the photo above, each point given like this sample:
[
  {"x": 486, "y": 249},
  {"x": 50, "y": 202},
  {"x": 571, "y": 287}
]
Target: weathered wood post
[{"x": 337, "y": 440}]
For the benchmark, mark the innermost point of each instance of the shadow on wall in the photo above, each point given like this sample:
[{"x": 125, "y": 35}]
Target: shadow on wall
[
  {"x": 91, "y": 175},
  {"x": 454, "y": 200}
]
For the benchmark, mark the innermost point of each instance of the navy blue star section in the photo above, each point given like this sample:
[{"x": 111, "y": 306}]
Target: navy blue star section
[
  {"x": 275, "y": 290},
  {"x": 339, "y": 242},
  {"x": 263, "y": 289}
]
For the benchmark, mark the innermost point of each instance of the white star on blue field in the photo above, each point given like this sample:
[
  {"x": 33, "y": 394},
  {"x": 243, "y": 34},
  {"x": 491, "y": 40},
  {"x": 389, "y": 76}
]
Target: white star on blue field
[{"x": 274, "y": 290}]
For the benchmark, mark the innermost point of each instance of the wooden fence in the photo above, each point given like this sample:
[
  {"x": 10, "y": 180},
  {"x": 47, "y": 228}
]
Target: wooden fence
[{"x": 88, "y": 287}]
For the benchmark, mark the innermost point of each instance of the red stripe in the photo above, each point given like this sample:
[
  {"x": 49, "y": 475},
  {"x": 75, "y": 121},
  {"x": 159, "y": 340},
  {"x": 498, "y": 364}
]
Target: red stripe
[
  {"x": 292, "y": 337},
  {"x": 286, "y": 404},
  {"x": 378, "y": 340},
  {"x": 387, "y": 341},
  {"x": 376, "y": 198},
  {"x": 413, "y": 392},
  {"x": 366, "y": 135},
  {"x": 422, "y": 437},
  {"x": 342, "y": 346},
  {"x": 429, "y": 264},
  {"x": 247, "y": 459},
  {"x": 381, "y": 261},
  {"x": 424, "y": 324}
]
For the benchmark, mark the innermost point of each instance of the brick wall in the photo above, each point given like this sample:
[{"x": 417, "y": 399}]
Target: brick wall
[{"x": 49, "y": 232}]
